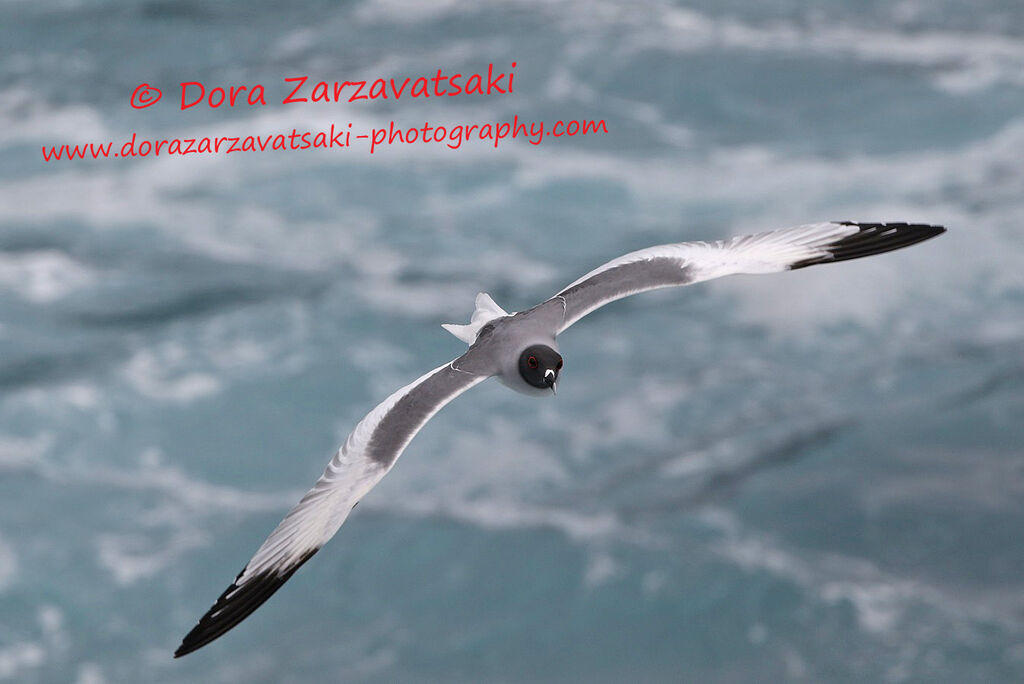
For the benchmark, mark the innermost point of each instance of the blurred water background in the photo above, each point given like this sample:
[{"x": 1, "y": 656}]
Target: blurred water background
[{"x": 815, "y": 476}]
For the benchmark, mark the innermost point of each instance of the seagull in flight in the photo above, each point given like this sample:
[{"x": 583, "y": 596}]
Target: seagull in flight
[{"x": 521, "y": 350}]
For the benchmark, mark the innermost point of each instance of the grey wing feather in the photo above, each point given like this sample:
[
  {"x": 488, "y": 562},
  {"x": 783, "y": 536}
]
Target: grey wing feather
[
  {"x": 365, "y": 457},
  {"x": 691, "y": 262}
]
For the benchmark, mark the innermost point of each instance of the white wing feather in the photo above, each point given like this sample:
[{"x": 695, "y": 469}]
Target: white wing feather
[{"x": 686, "y": 263}]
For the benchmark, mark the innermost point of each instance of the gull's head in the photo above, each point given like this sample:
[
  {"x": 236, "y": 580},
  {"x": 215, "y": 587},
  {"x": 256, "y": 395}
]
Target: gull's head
[{"x": 539, "y": 366}]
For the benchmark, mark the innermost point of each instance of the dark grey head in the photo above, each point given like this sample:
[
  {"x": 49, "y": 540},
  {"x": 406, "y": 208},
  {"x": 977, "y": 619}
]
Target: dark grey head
[{"x": 539, "y": 366}]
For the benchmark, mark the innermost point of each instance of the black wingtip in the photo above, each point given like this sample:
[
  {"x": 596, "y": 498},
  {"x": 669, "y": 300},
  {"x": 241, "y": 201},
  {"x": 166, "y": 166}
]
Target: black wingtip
[
  {"x": 229, "y": 611},
  {"x": 873, "y": 238}
]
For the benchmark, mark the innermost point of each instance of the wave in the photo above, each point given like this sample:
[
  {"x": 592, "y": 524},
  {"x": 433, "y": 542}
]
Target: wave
[
  {"x": 884, "y": 601},
  {"x": 962, "y": 62},
  {"x": 25, "y": 116},
  {"x": 19, "y": 659},
  {"x": 8, "y": 565},
  {"x": 42, "y": 277}
]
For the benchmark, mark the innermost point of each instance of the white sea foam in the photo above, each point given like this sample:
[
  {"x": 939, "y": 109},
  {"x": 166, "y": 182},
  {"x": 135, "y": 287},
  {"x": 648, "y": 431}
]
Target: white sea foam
[
  {"x": 952, "y": 477},
  {"x": 701, "y": 462},
  {"x": 910, "y": 186},
  {"x": 487, "y": 478},
  {"x": 8, "y": 565},
  {"x": 149, "y": 190},
  {"x": 882, "y": 600},
  {"x": 189, "y": 493},
  {"x": 297, "y": 41},
  {"x": 43, "y": 276},
  {"x": 513, "y": 459},
  {"x": 24, "y": 116},
  {"x": 24, "y": 453},
  {"x": 622, "y": 416},
  {"x": 751, "y": 177},
  {"x": 601, "y": 568},
  {"x": 174, "y": 520},
  {"x": 130, "y": 557},
  {"x": 90, "y": 673},
  {"x": 408, "y": 11},
  {"x": 962, "y": 62},
  {"x": 19, "y": 659},
  {"x": 496, "y": 514},
  {"x": 151, "y": 373},
  {"x": 174, "y": 516}
]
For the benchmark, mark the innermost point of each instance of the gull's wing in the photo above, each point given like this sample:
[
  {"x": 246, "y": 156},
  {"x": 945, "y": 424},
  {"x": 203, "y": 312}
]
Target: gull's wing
[
  {"x": 691, "y": 262},
  {"x": 367, "y": 455}
]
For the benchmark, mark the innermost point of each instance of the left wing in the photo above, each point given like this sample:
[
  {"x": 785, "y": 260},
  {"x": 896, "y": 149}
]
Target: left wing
[
  {"x": 691, "y": 262},
  {"x": 366, "y": 457}
]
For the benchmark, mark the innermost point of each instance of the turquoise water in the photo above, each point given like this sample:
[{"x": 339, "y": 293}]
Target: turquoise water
[{"x": 815, "y": 476}]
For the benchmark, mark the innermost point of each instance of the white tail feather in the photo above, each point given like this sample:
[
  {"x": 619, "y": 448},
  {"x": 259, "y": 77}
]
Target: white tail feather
[{"x": 486, "y": 310}]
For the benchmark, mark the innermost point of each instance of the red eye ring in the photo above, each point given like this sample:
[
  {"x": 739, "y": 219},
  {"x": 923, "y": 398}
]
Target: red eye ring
[
  {"x": 558, "y": 366},
  {"x": 532, "y": 362}
]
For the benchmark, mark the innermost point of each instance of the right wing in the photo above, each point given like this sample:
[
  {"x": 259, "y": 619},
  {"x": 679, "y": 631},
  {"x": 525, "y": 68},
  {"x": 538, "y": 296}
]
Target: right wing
[
  {"x": 685, "y": 263},
  {"x": 367, "y": 455}
]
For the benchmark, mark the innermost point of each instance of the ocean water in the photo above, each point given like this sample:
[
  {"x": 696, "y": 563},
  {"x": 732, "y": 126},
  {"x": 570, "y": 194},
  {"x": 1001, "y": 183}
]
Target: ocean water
[{"x": 816, "y": 476}]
